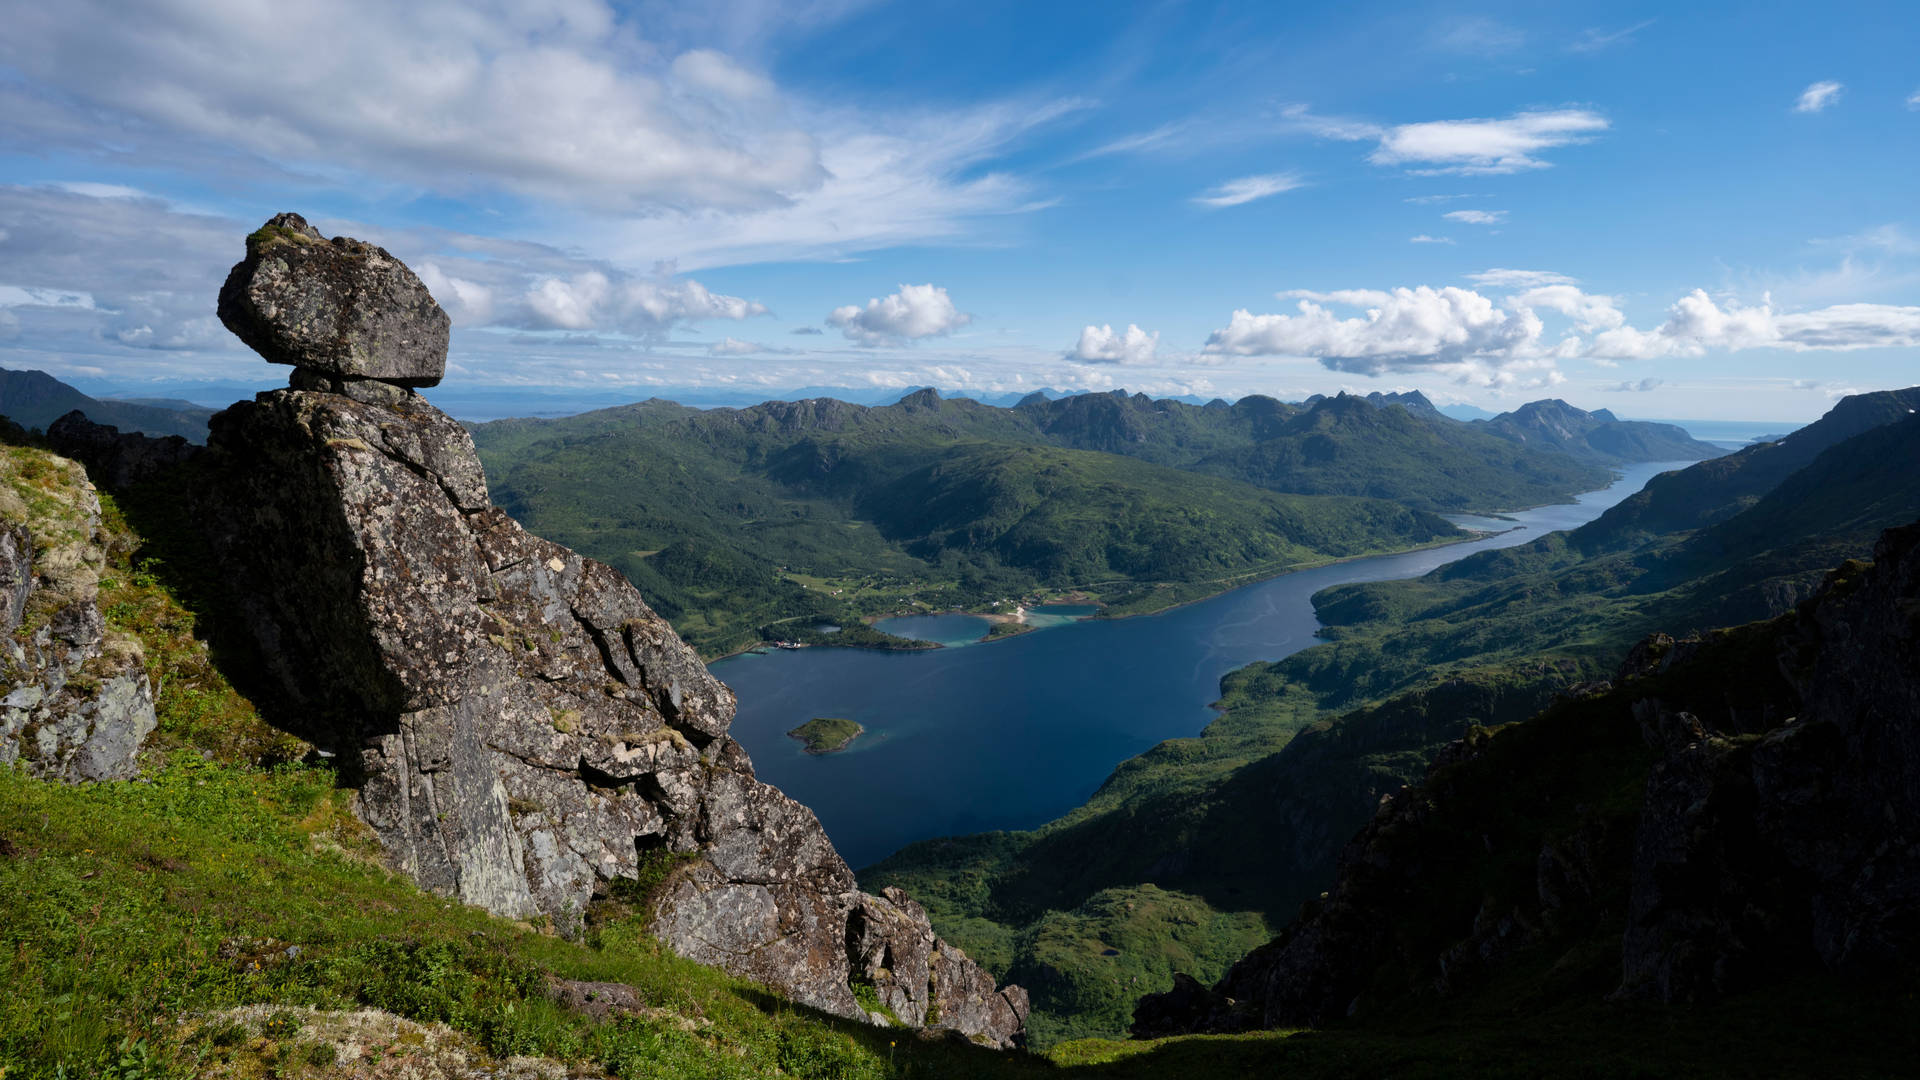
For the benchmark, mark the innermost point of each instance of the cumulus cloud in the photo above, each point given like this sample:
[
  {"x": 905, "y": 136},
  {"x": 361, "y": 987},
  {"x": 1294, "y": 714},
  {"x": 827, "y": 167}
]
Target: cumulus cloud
[
  {"x": 916, "y": 311},
  {"x": 1628, "y": 386},
  {"x": 1819, "y": 96},
  {"x": 1423, "y": 238},
  {"x": 1248, "y": 188},
  {"x": 1697, "y": 324},
  {"x": 1486, "y": 146},
  {"x": 1101, "y": 345},
  {"x": 806, "y": 330},
  {"x": 593, "y": 299},
  {"x": 1449, "y": 329},
  {"x": 1503, "y": 341},
  {"x": 1476, "y": 217}
]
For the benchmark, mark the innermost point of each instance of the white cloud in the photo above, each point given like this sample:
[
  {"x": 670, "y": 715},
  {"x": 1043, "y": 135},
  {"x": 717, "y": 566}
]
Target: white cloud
[
  {"x": 916, "y": 311},
  {"x": 1630, "y": 386},
  {"x": 36, "y": 296},
  {"x": 591, "y": 299},
  {"x": 101, "y": 191},
  {"x": 1248, "y": 188},
  {"x": 1427, "y": 200},
  {"x": 1476, "y": 217},
  {"x": 1501, "y": 278},
  {"x": 1594, "y": 39},
  {"x": 1477, "y": 338},
  {"x": 732, "y": 346},
  {"x": 637, "y": 146},
  {"x": 1486, "y": 146},
  {"x": 467, "y": 303},
  {"x": 1101, "y": 345},
  {"x": 561, "y": 102},
  {"x": 1449, "y": 329},
  {"x": 1819, "y": 96},
  {"x": 1423, "y": 238},
  {"x": 1588, "y": 312},
  {"x": 1913, "y": 100},
  {"x": 1696, "y": 324},
  {"x": 892, "y": 182}
]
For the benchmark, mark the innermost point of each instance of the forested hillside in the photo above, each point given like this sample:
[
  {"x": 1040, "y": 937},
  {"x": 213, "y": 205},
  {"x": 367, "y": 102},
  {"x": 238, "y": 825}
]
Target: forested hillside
[
  {"x": 1247, "y": 818},
  {"x": 746, "y": 523}
]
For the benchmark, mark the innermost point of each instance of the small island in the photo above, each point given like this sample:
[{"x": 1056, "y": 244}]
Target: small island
[{"x": 827, "y": 734}]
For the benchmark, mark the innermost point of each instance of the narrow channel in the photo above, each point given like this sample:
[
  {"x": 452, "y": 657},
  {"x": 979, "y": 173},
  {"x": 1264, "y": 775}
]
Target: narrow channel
[{"x": 1013, "y": 733}]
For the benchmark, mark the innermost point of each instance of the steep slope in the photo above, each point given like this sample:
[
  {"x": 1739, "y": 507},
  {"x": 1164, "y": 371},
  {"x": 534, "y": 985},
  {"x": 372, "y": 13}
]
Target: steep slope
[
  {"x": 1250, "y": 816},
  {"x": 36, "y": 399},
  {"x": 1729, "y": 817}
]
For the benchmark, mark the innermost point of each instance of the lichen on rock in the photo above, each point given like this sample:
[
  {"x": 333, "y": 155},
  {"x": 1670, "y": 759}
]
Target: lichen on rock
[
  {"x": 339, "y": 307},
  {"x": 522, "y": 728},
  {"x": 75, "y": 703}
]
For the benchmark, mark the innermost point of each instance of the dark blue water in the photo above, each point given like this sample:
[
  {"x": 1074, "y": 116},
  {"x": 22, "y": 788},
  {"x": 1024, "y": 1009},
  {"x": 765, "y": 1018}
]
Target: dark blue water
[{"x": 1015, "y": 732}]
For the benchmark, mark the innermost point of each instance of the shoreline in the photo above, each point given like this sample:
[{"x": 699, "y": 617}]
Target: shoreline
[{"x": 1081, "y": 595}]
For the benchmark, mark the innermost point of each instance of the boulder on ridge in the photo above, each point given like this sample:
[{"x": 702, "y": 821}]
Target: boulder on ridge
[{"x": 339, "y": 307}]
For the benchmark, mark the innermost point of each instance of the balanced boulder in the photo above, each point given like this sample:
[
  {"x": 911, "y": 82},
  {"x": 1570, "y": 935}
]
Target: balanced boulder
[{"x": 339, "y": 308}]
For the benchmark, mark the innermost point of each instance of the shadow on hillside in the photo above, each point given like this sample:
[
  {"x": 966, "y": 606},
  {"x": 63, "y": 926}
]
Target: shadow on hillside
[{"x": 174, "y": 552}]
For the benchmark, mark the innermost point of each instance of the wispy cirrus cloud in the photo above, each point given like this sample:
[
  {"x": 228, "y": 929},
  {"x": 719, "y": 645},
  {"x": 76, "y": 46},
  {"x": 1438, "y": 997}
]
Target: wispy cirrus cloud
[
  {"x": 1594, "y": 39},
  {"x": 1482, "y": 147},
  {"x": 1476, "y": 217},
  {"x": 1818, "y": 97},
  {"x": 1248, "y": 188}
]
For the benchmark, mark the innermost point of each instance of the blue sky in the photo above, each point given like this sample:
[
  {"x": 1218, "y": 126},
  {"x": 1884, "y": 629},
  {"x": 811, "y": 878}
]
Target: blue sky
[{"x": 1698, "y": 213}]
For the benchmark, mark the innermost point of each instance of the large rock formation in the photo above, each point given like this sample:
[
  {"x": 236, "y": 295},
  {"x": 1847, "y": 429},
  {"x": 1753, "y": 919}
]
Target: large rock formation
[
  {"x": 74, "y": 699},
  {"x": 524, "y": 729}
]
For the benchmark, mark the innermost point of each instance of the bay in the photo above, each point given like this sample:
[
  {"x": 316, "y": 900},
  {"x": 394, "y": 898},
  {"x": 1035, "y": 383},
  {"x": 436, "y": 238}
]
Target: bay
[{"x": 1014, "y": 732}]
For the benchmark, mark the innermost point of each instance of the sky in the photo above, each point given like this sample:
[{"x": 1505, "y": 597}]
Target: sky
[{"x": 1673, "y": 211}]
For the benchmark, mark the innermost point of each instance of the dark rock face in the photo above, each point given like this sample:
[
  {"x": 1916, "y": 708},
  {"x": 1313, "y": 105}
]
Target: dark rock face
[
  {"x": 1780, "y": 769},
  {"x": 1797, "y": 848},
  {"x": 337, "y": 307},
  {"x": 116, "y": 459},
  {"x": 526, "y": 730},
  {"x": 74, "y": 699}
]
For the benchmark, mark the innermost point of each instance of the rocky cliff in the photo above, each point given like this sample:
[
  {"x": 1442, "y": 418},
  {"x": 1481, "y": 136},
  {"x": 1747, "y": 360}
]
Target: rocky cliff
[
  {"x": 523, "y": 731},
  {"x": 1733, "y": 811},
  {"x": 74, "y": 698}
]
